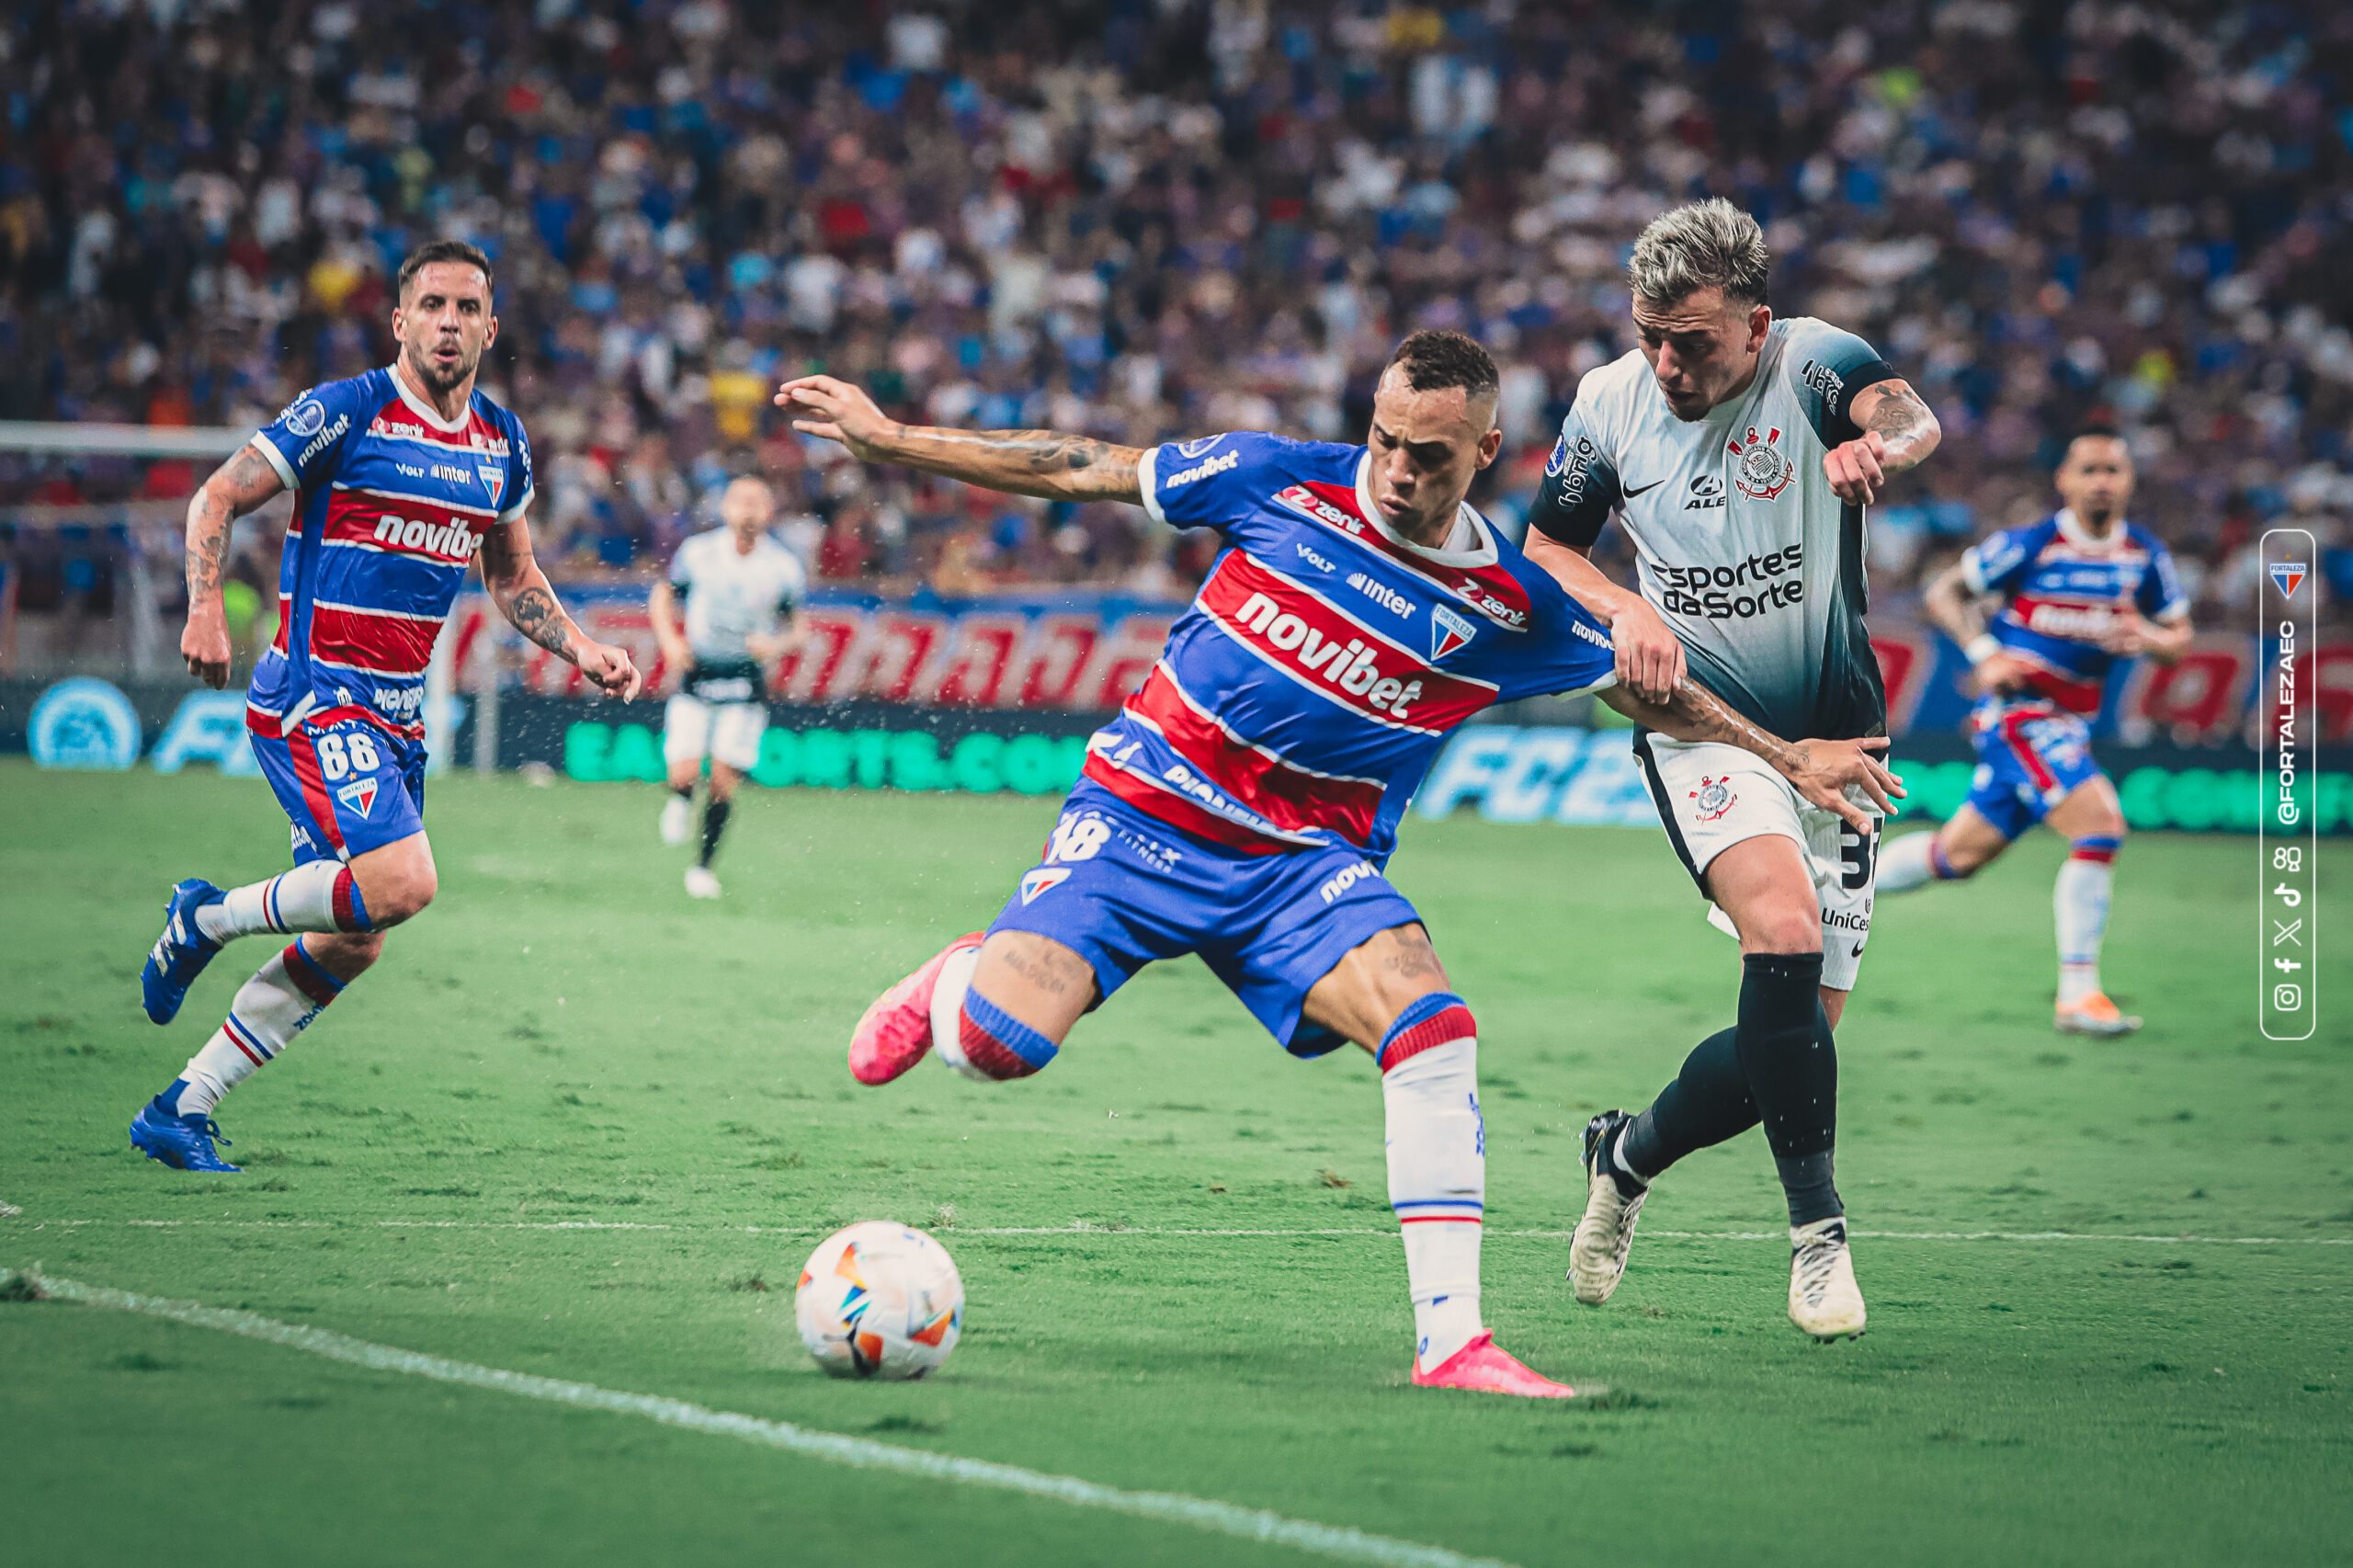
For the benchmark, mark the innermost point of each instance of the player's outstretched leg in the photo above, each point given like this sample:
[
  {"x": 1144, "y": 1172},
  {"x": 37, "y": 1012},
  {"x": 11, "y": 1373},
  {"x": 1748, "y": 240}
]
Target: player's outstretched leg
[
  {"x": 278, "y": 1003},
  {"x": 320, "y": 895},
  {"x": 896, "y": 1031},
  {"x": 1708, "y": 1103},
  {"x": 1913, "y": 861},
  {"x": 1438, "y": 1185},
  {"x": 701, "y": 882},
  {"x": 2079, "y": 911}
]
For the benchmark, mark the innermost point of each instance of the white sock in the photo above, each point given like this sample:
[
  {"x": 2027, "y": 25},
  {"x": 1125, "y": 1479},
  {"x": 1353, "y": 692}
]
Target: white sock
[
  {"x": 947, "y": 1008},
  {"x": 319, "y": 896},
  {"x": 1438, "y": 1184},
  {"x": 270, "y": 1009},
  {"x": 2079, "y": 909},
  {"x": 1905, "y": 863}
]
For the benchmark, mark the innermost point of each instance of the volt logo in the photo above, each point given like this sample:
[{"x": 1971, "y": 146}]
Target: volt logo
[
  {"x": 2288, "y": 575},
  {"x": 1449, "y": 632}
]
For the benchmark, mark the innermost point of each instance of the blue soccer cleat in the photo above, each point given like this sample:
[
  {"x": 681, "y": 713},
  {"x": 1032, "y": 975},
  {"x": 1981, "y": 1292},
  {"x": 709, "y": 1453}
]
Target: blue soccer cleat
[
  {"x": 183, "y": 1142},
  {"x": 180, "y": 953}
]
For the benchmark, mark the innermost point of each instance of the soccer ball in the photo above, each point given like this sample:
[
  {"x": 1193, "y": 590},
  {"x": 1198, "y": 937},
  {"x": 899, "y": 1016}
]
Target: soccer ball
[{"x": 880, "y": 1301}]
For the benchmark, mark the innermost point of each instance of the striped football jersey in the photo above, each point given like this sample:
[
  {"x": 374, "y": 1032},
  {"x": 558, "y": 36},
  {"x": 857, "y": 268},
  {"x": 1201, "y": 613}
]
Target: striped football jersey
[
  {"x": 391, "y": 503},
  {"x": 2062, "y": 588},
  {"x": 1324, "y": 661}
]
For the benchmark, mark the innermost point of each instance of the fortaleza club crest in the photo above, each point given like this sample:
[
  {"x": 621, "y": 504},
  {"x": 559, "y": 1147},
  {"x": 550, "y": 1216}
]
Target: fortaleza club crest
[
  {"x": 1447, "y": 631},
  {"x": 1764, "y": 471},
  {"x": 360, "y": 795},
  {"x": 1713, "y": 798},
  {"x": 493, "y": 479},
  {"x": 2288, "y": 575}
]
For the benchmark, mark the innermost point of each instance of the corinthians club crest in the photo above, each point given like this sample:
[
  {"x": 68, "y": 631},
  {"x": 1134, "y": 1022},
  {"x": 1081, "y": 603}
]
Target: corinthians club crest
[
  {"x": 1713, "y": 798},
  {"x": 1764, "y": 471}
]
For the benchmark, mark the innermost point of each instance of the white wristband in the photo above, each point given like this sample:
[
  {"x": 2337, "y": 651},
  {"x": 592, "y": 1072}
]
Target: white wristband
[{"x": 1981, "y": 647}]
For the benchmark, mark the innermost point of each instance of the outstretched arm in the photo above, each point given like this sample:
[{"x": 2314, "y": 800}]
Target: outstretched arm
[
  {"x": 236, "y": 487},
  {"x": 1649, "y": 656},
  {"x": 523, "y": 595},
  {"x": 1023, "y": 462},
  {"x": 1961, "y": 615},
  {"x": 1820, "y": 770},
  {"x": 1898, "y": 432}
]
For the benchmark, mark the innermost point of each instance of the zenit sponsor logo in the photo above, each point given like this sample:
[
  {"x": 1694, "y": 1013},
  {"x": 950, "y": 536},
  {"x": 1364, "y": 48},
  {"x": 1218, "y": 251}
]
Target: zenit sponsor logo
[
  {"x": 1737, "y": 591},
  {"x": 1202, "y": 471}
]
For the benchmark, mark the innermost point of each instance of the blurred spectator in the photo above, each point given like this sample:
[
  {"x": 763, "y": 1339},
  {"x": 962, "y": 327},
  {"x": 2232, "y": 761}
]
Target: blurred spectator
[{"x": 1145, "y": 218}]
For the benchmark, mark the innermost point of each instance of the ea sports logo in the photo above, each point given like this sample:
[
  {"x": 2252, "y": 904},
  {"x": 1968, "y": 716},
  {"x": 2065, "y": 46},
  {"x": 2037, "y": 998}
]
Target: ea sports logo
[{"x": 1713, "y": 798}]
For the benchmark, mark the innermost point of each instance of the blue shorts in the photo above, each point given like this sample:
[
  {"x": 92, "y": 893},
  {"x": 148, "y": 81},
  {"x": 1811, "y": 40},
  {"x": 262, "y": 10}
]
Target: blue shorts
[
  {"x": 2030, "y": 755},
  {"x": 1122, "y": 889},
  {"x": 347, "y": 788}
]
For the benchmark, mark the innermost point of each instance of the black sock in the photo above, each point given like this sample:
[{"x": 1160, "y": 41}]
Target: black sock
[
  {"x": 1792, "y": 1064},
  {"x": 1707, "y": 1102},
  {"x": 714, "y": 823}
]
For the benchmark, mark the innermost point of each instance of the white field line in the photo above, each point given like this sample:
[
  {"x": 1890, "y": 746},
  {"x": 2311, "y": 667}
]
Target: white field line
[
  {"x": 1085, "y": 1229},
  {"x": 1224, "y": 1518}
]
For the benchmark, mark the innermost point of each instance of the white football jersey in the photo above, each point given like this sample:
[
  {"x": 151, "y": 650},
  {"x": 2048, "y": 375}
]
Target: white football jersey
[
  {"x": 1743, "y": 548},
  {"x": 729, "y": 596}
]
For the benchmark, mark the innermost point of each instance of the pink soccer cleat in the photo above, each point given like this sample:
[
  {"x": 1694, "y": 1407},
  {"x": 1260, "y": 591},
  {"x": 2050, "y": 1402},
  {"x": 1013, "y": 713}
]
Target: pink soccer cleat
[
  {"x": 894, "y": 1032},
  {"x": 1485, "y": 1367}
]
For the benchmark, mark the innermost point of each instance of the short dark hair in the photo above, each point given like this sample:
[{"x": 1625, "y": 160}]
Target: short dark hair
[
  {"x": 1433, "y": 359},
  {"x": 2098, "y": 430},
  {"x": 432, "y": 251}
]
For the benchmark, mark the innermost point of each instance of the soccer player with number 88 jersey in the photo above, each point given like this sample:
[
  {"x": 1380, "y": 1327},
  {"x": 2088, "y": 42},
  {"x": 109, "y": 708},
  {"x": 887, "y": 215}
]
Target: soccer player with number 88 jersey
[
  {"x": 400, "y": 477},
  {"x": 2076, "y": 592}
]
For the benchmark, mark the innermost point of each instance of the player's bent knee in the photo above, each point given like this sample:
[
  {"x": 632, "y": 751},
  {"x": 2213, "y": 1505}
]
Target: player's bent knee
[
  {"x": 996, "y": 1044},
  {"x": 393, "y": 896},
  {"x": 346, "y": 955}
]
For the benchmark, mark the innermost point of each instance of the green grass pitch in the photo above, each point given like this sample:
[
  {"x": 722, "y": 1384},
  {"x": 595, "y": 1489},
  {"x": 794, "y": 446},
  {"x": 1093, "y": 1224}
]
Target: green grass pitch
[{"x": 565, "y": 1039}]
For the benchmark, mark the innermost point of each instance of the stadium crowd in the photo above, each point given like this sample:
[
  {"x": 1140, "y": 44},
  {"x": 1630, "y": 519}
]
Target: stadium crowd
[{"x": 1148, "y": 217}]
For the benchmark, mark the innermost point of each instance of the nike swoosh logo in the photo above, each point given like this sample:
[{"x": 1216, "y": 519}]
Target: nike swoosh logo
[
  {"x": 1653, "y": 484},
  {"x": 1857, "y": 951}
]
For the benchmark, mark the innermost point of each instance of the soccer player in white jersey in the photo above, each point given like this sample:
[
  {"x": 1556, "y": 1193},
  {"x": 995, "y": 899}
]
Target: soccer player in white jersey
[
  {"x": 739, "y": 589},
  {"x": 1241, "y": 804},
  {"x": 2075, "y": 593},
  {"x": 1738, "y": 452}
]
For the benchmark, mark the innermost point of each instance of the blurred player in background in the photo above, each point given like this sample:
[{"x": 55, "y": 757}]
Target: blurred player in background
[
  {"x": 2076, "y": 592},
  {"x": 1739, "y": 452},
  {"x": 739, "y": 589},
  {"x": 401, "y": 476},
  {"x": 1243, "y": 803}
]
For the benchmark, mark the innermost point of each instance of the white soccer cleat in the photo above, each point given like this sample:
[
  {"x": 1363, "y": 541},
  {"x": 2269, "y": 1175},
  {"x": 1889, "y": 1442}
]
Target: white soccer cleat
[
  {"x": 1606, "y": 1234},
  {"x": 1824, "y": 1301},
  {"x": 701, "y": 884},
  {"x": 678, "y": 820}
]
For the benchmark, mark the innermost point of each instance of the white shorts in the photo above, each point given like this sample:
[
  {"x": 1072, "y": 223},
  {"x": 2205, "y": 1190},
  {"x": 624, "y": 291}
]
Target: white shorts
[
  {"x": 726, "y": 731},
  {"x": 1713, "y": 796}
]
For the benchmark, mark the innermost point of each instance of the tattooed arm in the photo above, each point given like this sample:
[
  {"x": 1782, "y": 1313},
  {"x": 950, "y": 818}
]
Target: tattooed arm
[
  {"x": 1820, "y": 770},
  {"x": 521, "y": 592},
  {"x": 236, "y": 487},
  {"x": 1024, "y": 462},
  {"x": 1898, "y": 432}
]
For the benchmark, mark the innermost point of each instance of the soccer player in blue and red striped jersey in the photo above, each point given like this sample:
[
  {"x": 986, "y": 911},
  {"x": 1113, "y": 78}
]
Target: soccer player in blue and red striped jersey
[
  {"x": 2072, "y": 594},
  {"x": 402, "y": 477},
  {"x": 1243, "y": 804}
]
